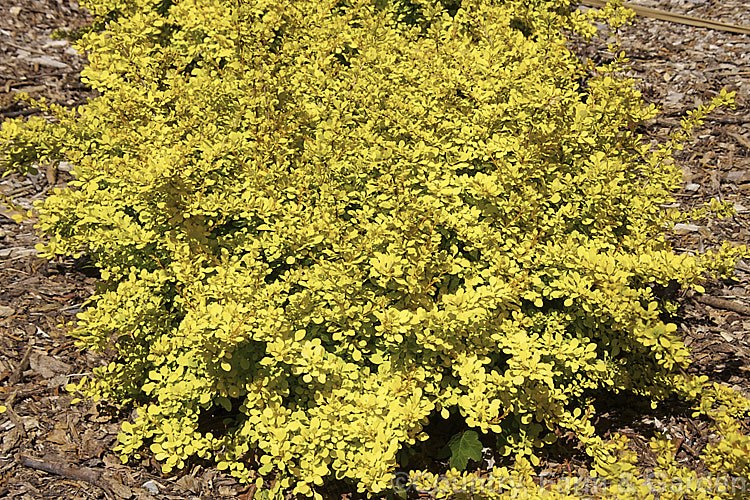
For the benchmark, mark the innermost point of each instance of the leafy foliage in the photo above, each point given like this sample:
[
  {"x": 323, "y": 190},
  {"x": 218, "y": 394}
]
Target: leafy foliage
[
  {"x": 464, "y": 446},
  {"x": 322, "y": 225}
]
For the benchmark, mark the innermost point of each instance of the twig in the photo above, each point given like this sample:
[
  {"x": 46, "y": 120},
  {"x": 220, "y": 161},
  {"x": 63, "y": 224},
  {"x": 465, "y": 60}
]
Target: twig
[
  {"x": 18, "y": 432},
  {"x": 729, "y": 120},
  {"x": 15, "y": 377},
  {"x": 724, "y": 304},
  {"x": 23, "y": 394},
  {"x": 23, "y": 112},
  {"x": 24, "y": 47},
  {"x": 676, "y": 18},
  {"x": 84, "y": 474},
  {"x": 715, "y": 118},
  {"x": 742, "y": 140}
]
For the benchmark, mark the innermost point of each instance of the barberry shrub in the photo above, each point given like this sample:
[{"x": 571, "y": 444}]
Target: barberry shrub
[{"x": 322, "y": 226}]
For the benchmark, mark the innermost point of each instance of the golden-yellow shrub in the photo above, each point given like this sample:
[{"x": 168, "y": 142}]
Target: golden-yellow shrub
[{"x": 323, "y": 225}]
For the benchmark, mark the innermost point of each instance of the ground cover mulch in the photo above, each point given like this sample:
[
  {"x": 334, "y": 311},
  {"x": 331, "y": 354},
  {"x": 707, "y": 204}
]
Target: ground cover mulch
[{"x": 50, "y": 449}]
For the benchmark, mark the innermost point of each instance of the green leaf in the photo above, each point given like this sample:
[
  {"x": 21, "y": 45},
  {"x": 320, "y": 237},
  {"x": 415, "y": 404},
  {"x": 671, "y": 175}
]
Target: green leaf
[{"x": 464, "y": 446}]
